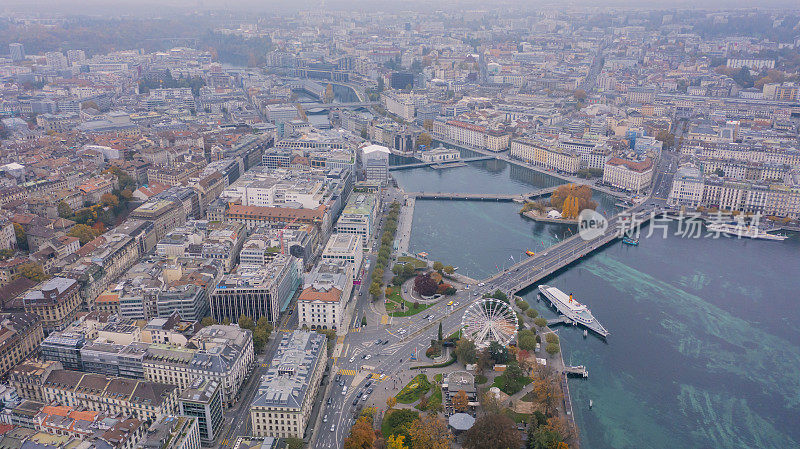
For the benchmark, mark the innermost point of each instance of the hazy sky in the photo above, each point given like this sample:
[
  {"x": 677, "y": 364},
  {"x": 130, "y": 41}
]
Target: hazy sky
[{"x": 154, "y": 7}]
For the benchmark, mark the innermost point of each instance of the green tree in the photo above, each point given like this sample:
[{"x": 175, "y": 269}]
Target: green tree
[
  {"x": 532, "y": 313},
  {"x": 526, "y": 340},
  {"x": 64, "y": 210},
  {"x": 397, "y": 269},
  {"x": 208, "y": 321},
  {"x": 449, "y": 269},
  {"x": 523, "y": 305},
  {"x": 424, "y": 139},
  {"x": 110, "y": 200},
  {"x": 466, "y": 351},
  {"x": 408, "y": 270},
  {"x": 438, "y": 266},
  {"x": 552, "y": 348},
  {"x": 541, "y": 322},
  {"x": 375, "y": 290},
  {"x": 551, "y": 338},
  {"x": 498, "y": 352},
  {"x": 440, "y": 331},
  {"x": 245, "y": 322}
]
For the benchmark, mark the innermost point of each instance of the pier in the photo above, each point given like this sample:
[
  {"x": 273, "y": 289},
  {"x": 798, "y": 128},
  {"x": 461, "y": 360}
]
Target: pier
[
  {"x": 427, "y": 164},
  {"x": 579, "y": 371},
  {"x": 560, "y": 320},
  {"x": 518, "y": 197}
]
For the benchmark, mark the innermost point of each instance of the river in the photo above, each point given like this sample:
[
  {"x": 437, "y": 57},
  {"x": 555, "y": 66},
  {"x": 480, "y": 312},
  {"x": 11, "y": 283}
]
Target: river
[{"x": 704, "y": 350}]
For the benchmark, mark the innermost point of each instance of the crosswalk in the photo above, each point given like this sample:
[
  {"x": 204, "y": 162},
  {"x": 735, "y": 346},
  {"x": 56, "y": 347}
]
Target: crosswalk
[
  {"x": 355, "y": 329},
  {"x": 377, "y": 377},
  {"x": 348, "y": 372}
]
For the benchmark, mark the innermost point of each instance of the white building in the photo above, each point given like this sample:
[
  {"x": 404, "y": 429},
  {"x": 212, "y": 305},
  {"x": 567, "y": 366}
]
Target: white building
[
  {"x": 347, "y": 247},
  {"x": 327, "y": 290},
  {"x": 358, "y": 216},
  {"x": 375, "y": 162},
  {"x": 441, "y": 154},
  {"x": 627, "y": 174}
]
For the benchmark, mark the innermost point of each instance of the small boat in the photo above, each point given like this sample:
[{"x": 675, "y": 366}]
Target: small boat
[
  {"x": 585, "y": 333},
  {"x": 423, "y": 255},
  {"x": 530, "y": 253},
  {"x": 590, "y": 403},
  {"x": 628, "y": 240}
]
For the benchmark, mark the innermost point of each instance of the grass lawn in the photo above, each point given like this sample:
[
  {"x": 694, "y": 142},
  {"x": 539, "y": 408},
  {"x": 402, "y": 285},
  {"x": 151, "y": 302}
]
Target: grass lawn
[
  {"x": 501, "y": 383},
  {"x": 397, "y": 418},
  {"x": 517, "y": 417},
  {"x": 529, "y": 397},
  {"x": 438, "y": 377},
  {"x": 411, "y": 393},
  {"x": 434, "y": 402},
  {"x": 413, "y": 261},
  {"x": 395, "y": 299},
  {"x": 481, "y": 379}
]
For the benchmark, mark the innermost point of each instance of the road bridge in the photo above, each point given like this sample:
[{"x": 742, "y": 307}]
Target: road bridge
[
  {"x": 308, "y": 105},
  {"x": 518, "y": 197},
  {"x": 427, "y": 164}
]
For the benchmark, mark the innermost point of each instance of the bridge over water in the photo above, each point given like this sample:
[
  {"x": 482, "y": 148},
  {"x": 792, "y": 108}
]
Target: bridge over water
[
  {"x": 519, "y": 197},
  {"x": 426, "y": 164}
]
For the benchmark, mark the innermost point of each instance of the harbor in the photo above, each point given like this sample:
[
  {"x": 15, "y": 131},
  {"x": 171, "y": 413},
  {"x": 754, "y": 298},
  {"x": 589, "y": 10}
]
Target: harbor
[{"x": 653, "y": 292}]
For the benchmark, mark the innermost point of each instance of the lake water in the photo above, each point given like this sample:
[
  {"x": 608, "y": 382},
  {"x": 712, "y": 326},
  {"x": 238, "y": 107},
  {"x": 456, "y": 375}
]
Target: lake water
[{"x": 704, "y": 350}]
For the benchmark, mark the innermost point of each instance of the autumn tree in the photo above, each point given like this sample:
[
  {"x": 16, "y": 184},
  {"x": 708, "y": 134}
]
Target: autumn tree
[
  {"x": 429, "y": 432},
  {"x": 461, "y": 401},
  {"x": 391, "y": 402},
  {"x": 396, "y": 442},
  {"x": 546, "y": 389},
  {"x": 83, "y": 233},
  {"x": 581, "y": 193},
  {"x": 493, "y": 431},
  {"x": 32, "y": 271},
  {"x": 424, "y": 139},
  {"x": 110, "y": 200},
  {"x": 425, "y": 285},
  {"x": 22, "y": 237},
  {"x": 438, "y": 266},
  {"x": 449, "y": 269},
  {"x": 361, "y": 436}
]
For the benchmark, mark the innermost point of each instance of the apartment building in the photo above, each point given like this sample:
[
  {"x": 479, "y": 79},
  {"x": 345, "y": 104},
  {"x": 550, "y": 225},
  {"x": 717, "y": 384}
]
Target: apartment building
[
  {"x": 282, "y": 405},
  {"x": 202, "y": 401},
  {"x": 223, "y": 354},
  {"x": 28, "y": 376},
  {"x": 20, "y": 335},
  {"x": 55, "y": 301},
  {"x": 139, "y": 399},
  {"x": 164, "y": 214},
  {"x": 471, "y": 135},
  {"x": 173, "y": 432},
  {"x": 547, "y": 156},
  {"x": 325, "y": 294}
]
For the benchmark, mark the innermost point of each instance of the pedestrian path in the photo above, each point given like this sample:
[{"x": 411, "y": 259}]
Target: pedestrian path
[{"x": 348, "y": 372}]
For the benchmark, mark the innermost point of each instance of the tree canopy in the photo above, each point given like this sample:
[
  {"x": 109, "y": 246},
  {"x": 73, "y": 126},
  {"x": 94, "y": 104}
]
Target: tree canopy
[{"x": 493, "y": 431}]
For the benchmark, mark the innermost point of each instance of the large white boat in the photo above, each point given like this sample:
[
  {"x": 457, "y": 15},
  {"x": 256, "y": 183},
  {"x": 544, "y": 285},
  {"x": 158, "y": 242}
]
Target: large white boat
[
  {"x": 572, "y": 309},
  {"x": 740, "y": 230}
]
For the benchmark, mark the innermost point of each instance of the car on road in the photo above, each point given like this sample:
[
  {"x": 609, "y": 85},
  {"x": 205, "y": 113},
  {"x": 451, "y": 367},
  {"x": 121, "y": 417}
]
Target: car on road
[
  {"x": 352, "y": 359},
  {"x": 368, "y": 356},
  {"x": 384, "y": 375},
  {"x": 455, "y": 303},
  {"x": 450, "y": 303},
  {"x": 369, "y": 382},
  {"x": 325, "y": 418},
  {"x": 344, "y": 390},
  {"x": 338, "y": 377},
  {"x": 401, "y": 331},
  {"x": 427, "y": 316},
  {"x": 385, "y": 341},
  {"x": 378, "y": 341},
  {"x": 364, "y": 357},
  {"x": 355, "y": 401},
  {"x": 333, "y": 427},
  {"x": 364, "y": 398},
  {"x": 369, "y": 391},
  {"x": 481, "y": 284},
  {"x": 330, "y": 401}
]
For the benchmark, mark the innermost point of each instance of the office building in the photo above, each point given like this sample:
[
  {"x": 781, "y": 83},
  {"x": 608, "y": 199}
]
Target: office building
[
  {"x": 173, "y": 432},
  {"x": 375, "y": 163},
  {"x": 257, "y": 290},
  {"x": 202, "y": 401},
  {"x": 633, "y": 175},
  {"x": 286, "y": 394},
  {"x": 55, "y": 301},
  {"x": 347, "y": 247},
  {"x": 358, "y": 217},
  {"x": 17, "y": 51},
  {"x": 65, "y": 348}
]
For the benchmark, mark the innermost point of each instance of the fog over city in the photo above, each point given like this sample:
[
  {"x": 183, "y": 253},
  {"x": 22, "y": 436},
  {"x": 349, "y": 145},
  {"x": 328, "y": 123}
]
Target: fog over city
[{"x": 373, "y": 224}]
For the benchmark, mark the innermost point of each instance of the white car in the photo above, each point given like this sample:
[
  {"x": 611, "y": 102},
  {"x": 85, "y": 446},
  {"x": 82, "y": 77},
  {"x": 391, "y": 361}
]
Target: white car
[
  {"x": 352, "y": 359},
  {"x": 401, "y": 331},
  {"x": 369, "y": 356},
  {"x": 481, "y": 284},
  {"x": 333, "y": 427}
]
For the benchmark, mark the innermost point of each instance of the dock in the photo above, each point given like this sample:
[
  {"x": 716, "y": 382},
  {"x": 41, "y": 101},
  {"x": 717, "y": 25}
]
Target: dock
[
  {"x": 567, "y": 400},
  {"x": 560, "y": 320},
  {"x": 579, "y": 371},
  {"x": 575, "y": 319}
]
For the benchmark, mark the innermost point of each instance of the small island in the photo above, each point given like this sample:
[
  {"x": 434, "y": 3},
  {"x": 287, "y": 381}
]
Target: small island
[{"x": 566, "y": 202}]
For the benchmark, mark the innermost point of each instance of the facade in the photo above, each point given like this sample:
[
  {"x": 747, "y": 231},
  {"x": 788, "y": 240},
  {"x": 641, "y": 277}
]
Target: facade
[
  {"x": 65, "y": 348},
  {"x": 441, "y": 154},
  {"x": 547, "y": 156},
  {"x": 627, "y": 174},
  {"x": 282, "y": 405},
  {"x": 222, "y": 354},
  {"x": 55, "y": 301},
  {"x": 20, "y": 335},
  {"x": 257, "y": 291},
  {"x": 164, "y": 214},
  {"x": 27, "y": 378},
  {"x": 202, "y": 401},
  {"x": 140, "y": 399},
  {"x": 325, "y": 295},
  {"x": 471, "y": 135},
  {"x": 358, "y": 216}
]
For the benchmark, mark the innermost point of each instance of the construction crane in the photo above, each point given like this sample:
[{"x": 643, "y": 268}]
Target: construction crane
[{"x": 280, "y": 234}]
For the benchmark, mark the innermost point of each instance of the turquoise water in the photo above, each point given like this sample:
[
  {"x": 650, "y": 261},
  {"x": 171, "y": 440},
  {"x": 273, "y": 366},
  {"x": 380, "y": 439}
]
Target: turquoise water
[{"x": 704, "y": 349}]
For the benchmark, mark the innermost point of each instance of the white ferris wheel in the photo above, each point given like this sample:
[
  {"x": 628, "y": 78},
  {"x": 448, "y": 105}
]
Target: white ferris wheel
[{"x": 489, "y": 320}]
